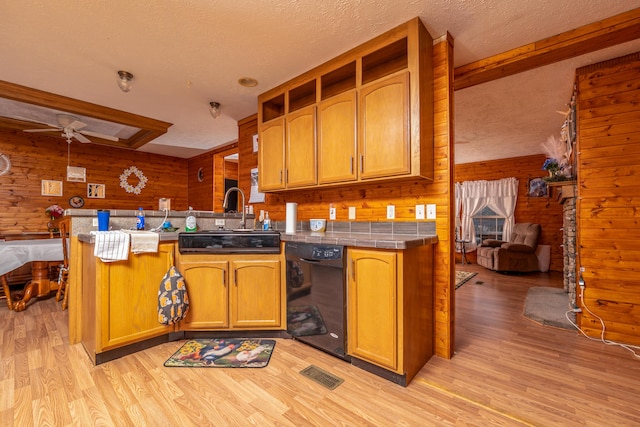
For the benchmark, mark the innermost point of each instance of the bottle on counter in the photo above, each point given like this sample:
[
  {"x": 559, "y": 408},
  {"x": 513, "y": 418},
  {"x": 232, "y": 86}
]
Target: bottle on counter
[
  {"x": 190, "y": 224},
  {"x": 140, "y": 219},
  {"x": 267, "y": 222}
]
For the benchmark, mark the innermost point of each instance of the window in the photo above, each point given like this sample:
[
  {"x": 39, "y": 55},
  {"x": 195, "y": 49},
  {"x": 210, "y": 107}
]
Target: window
[{"x": 488, "y": 225}]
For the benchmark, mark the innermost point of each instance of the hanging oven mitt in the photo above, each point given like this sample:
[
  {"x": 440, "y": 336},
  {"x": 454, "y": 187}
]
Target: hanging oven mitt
[{"x": 173, "y": 301}]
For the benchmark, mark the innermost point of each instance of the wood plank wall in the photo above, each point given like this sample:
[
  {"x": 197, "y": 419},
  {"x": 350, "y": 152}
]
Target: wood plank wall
[
  {"x": 609, "y": 196},
  {"x": 371, "y": 200},
  {"x": 208, "y": 194},
  {"x": 201, "y": 193},
  {"x": 539, "y": 210},
  {"x": 35, "y": 157}
]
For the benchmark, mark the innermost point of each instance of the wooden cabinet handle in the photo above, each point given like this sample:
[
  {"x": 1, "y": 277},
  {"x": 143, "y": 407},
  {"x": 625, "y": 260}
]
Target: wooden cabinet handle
[
  {"x": 235, "y": 276},
  {"x": 224, "y": 278},
  {"x": 280, "y": 176},
  {"x": 361, "y": 163},
  {"x": 353, "y": 270},
  {"x": 352, "y": 164}
]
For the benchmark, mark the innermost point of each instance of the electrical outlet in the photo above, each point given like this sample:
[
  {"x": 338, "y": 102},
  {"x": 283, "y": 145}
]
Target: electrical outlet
[
  {"x": 220, "y": 222},
  {"x": 95, "y": 222},
  {"x": 431, "y": 211},
  {"x": 352, "y": 212},
  {"x": 419, "y": 211},
  {"x": 391, "y": 212},
  {"x": 332, "y": 213}
]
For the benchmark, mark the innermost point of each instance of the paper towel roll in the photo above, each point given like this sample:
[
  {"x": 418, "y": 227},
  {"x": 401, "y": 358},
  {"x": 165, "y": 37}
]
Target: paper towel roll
[{"x": 292, "y": 217}]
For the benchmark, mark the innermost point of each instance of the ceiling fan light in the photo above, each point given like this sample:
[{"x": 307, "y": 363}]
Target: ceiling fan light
[
  {"x": 214, "y": 109},
  {"x": 124, "y": 80}
]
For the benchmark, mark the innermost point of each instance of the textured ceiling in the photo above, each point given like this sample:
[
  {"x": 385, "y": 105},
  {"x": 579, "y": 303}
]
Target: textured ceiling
[{"x": 187, "y": 53}]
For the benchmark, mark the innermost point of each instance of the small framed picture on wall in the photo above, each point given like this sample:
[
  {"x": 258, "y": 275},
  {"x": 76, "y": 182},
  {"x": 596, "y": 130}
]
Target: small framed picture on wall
[
  {"x": 95, "y": 191},
  {"x": 538, "y": 188}
]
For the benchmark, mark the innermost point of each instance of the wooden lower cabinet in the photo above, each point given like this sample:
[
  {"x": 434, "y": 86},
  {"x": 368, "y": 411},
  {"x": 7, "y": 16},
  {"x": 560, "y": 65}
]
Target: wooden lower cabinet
[
  {"x": 372, "y": 307},
  {"x": 208, "y": 287},
  {"x": 120, "y": 299},
  {"x": 233, "y": 292},
  {"x": 390, "y": 307}
]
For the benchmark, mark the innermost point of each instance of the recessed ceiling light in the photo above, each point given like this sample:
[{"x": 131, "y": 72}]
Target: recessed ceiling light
[{"x": 247, "y": 82}]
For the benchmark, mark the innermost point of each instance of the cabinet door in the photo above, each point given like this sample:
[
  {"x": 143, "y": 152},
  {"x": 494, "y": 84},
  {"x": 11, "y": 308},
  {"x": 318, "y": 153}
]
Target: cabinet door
[
  {"x": 129, "y": 297},
  {"x": 337, "y": 139},
  {"x": 372, "y": 307},
  {"x": 208, "y": 288},
  {"x": 301, "y": 148},
  {"x": 384, "y": 148},
  {"x": 271, "y": 155},
  {"x": 255, "y": 294}
]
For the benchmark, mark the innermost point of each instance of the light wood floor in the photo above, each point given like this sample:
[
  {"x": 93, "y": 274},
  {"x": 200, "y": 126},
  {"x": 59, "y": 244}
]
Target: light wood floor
[{"x": 507, "y": 371}]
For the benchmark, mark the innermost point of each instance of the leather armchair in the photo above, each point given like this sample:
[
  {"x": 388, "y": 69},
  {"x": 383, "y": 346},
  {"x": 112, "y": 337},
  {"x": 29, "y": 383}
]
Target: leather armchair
[{"x": 516, "y": 255}]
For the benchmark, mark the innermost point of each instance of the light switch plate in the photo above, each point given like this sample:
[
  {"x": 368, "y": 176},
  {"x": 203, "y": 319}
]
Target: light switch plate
[
  {"x": 419, "y": 211},
  {"x": 431, "y": 211},
  {"x": 352, "y": 212},
  {"x": 220, "y": 222},
  {"x": 391, "y": 212},
  {"x": 332, "y": 214},
  {"x": 95, "y": 222}
]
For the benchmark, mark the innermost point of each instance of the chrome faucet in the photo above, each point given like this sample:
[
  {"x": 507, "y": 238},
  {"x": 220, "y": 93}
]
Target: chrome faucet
[{"x": 243, "y": 224}]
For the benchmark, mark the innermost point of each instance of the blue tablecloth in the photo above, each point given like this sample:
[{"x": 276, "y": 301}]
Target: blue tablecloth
[{"x": 16, "y": 253}]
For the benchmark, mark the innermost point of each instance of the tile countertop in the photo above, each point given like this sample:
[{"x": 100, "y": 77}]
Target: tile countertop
[
  {"x": 362, "y": 240},
  {"x": 164, "y": 237},
  {"x": 382, "y": 235}
]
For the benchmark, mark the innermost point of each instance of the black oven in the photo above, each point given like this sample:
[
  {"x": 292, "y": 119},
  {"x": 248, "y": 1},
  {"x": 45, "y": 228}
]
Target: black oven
[{"x": 316, "y": 302}]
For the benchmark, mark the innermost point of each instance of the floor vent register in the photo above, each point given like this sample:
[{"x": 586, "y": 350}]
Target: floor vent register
[{"x": 322, "y": 377}]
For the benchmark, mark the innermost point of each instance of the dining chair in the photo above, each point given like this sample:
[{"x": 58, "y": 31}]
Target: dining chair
[{"x": 62, "y": 225}]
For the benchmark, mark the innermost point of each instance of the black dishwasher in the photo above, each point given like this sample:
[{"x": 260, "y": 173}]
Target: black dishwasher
[{"x": 316, "y": 307}]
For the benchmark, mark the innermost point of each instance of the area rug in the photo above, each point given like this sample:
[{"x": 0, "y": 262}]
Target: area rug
[
  {"x": 463, "y": 277},
  {"x": 548, "y": 306},
  {"x": 227, "y": 353},
  {"x": 305, "y": 320}
]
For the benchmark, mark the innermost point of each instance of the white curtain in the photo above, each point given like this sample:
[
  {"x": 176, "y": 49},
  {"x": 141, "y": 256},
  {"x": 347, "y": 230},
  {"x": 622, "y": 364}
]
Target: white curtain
[
  {"x": 458, "y": 206},
  {"x": 473, "y": 198},
  {"x": 500, "y": 195}
]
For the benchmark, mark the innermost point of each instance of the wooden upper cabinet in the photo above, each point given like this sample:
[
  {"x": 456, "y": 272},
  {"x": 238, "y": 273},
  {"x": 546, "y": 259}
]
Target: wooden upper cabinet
[
  {"x": 384, "y": 128},
  {"x": 374, "y": 114},
  {"x": 301, "y": 148},
  {"x": 271, "y": 155},
  {"x": 337, "y": 139}
]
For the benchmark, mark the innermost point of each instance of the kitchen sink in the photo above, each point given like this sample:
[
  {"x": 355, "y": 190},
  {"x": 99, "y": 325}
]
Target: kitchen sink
[{"x": 237, "y": 241}]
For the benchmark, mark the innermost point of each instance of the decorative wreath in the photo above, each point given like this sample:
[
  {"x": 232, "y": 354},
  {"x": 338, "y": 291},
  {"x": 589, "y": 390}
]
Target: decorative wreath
[{"x": 128, "y": 187}]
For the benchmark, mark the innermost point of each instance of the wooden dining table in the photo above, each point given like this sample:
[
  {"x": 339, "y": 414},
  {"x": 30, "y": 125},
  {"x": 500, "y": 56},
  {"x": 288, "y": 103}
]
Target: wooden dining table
[{"x": 40, "y": 253}]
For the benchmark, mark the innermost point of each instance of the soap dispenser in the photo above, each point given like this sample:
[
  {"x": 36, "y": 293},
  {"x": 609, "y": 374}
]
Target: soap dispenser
[{"x": 190, "y": 224}]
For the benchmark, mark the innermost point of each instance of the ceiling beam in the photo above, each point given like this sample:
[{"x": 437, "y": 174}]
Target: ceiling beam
[
  {"x": 150, "y": 129},
  {"x": 586, "y": 39}
]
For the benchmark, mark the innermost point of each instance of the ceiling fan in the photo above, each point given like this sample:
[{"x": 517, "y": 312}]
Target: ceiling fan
[{"x": 71, "y": 128}]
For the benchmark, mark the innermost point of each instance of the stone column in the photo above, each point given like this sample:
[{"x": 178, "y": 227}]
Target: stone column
[{"x": 569, "y": 248}]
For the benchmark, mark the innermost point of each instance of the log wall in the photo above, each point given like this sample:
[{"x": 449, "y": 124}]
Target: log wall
[
  {"x": 545, "y": 211},
  {"x": 609, "y": 196},
  {"x": 35, "y": 157}
]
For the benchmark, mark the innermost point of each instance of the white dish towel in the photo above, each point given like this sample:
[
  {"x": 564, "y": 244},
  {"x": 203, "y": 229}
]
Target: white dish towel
[
  {"x": 144, "y": 241},
  {"x": 111, "y": 246}
]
